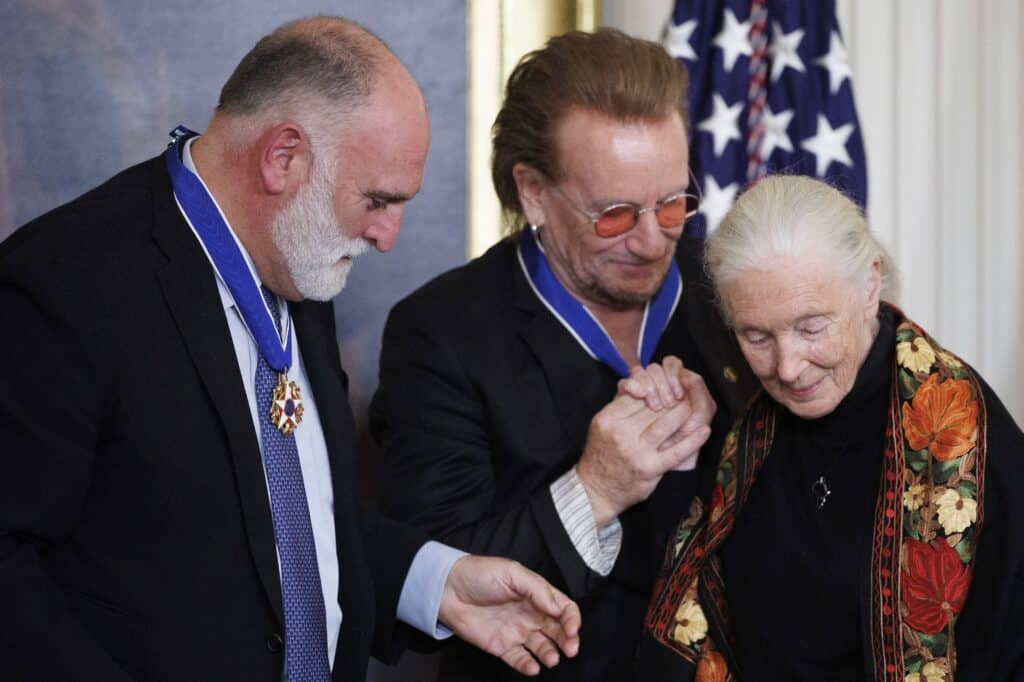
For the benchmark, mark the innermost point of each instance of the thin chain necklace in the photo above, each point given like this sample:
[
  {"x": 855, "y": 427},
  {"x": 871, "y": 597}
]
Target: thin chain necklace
[{"x": 821, "y": 491}]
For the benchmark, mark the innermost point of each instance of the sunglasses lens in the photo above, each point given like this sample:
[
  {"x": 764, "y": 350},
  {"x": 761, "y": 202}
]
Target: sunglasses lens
[
  {"x": 616, "y": 220},
  {"x": 674, "y": 212}
]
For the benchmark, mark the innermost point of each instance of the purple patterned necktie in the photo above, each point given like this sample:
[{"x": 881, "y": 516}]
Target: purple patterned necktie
[{"x": 304, "y": 619}]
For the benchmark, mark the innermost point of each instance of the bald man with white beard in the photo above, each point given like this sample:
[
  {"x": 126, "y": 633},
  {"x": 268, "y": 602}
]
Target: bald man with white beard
[{"x": 176, "y": 497}]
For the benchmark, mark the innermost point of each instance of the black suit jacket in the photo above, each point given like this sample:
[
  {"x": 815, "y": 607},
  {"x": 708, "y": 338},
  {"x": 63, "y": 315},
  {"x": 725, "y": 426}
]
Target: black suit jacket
[
  {"x": 485, "y": 399},
  {"x": 135, "y": 531}
]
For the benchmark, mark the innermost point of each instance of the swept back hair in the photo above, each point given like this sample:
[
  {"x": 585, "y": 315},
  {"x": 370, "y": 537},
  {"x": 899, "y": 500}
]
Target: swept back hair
[
  {"x": 607, "y": 71},
  {"x": 783, "y": 216}
]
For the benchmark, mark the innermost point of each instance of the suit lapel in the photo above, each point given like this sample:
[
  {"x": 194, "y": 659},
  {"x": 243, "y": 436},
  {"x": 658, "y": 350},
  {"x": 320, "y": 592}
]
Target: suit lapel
[
  {"x": 191, "y": 293},
  {"x": 323, "y": 369},
  {"x": 574, "y": 379}
]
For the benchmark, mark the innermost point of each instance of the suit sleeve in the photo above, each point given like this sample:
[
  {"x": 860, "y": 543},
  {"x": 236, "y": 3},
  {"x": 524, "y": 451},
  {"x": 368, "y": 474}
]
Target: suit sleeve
[
  {"x": 50, "y": 410},
  {"x": 439, "y": 467},
  {"x": 390, "y": 548}
]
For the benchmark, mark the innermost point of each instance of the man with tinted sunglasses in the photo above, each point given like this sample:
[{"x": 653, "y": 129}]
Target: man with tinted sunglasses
[{"x": 537, "y": 402}]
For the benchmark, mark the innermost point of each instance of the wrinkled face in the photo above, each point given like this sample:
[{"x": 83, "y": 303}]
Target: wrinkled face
[
  {"x": 356, "y": 200},
  {"x": 804, "y": 331},
  {"x": 604, "y": 162}
]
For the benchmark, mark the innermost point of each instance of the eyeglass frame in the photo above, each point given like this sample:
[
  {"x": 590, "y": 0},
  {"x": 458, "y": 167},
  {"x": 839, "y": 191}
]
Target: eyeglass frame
[{"x": 637, "y": 210}]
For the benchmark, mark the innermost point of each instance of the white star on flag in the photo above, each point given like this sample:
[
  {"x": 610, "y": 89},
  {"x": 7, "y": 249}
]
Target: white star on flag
[
  {"x": 677, "y": 40},
  {"x": 723, "y": 123},
  {"x": 733, "y": 39},
  {"x": 783, "y": 50},
  {"x": 837, "y": 63},
  {"x": 717, "y": 201},
  {"x": 829, "y": 145},
  {"x": 775, "y": 119},
  {"x": 775, "y": 136}
]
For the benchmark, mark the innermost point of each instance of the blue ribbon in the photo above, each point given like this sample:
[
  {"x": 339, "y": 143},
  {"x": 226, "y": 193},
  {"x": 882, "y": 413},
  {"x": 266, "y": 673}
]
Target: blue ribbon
[
  {"x": 226, "y": 255},
  {"x": 581, "y": 323}
]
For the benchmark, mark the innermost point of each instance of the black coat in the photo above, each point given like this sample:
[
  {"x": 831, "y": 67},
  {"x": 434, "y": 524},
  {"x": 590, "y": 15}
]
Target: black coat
[
  {"x": 135, "y": 530},
  {"x": 485, "y": 399}
]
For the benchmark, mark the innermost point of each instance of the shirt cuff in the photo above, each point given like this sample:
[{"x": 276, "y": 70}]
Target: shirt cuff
[
  {"x": 420, "y": 601},
  {"x": 598, "y": 548}
]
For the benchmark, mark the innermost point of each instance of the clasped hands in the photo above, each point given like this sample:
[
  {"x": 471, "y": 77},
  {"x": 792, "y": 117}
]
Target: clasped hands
[{"x": 656, "y": 423}]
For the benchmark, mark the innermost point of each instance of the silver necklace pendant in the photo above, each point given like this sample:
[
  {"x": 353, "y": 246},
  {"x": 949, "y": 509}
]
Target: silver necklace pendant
[{"x": 820, "y": 491}]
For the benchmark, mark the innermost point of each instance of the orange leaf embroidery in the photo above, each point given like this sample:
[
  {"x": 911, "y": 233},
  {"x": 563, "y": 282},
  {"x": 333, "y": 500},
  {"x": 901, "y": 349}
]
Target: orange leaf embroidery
[
  {"x": 711, "y": 667},
  {"x": 942, "y": 417}
]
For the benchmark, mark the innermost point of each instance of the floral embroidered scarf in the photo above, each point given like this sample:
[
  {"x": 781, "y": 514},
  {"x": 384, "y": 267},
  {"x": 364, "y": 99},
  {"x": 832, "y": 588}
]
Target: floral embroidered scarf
[{"x": 926, "y": 524}]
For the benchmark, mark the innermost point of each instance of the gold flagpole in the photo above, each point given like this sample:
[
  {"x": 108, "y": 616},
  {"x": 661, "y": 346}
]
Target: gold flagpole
[{"x": 498, "y": 33}]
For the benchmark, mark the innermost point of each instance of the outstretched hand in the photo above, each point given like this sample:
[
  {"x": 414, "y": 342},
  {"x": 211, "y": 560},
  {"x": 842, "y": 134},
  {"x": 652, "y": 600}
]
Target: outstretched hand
[{"x": 509, "y": 611}]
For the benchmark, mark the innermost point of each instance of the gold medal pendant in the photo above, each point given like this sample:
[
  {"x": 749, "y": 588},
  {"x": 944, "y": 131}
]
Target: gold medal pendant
[{"x": 285, "y": 405}]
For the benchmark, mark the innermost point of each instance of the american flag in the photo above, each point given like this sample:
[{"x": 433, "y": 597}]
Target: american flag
[{"x": 770, "y": 91}]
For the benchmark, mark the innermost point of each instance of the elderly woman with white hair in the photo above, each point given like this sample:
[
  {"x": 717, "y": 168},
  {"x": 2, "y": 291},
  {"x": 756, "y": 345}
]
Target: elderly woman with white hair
[{"x": 863, "y": 520}]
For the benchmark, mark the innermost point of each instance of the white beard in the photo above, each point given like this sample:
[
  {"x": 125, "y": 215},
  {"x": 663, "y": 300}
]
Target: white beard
[{"x": 308, "y": 235}]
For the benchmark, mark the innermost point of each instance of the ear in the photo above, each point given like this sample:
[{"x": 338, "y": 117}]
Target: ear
[
  {"x": 874, "y": 289},
  {"x": 531, "y": 183},
  {"x": 285, "y": 158}
]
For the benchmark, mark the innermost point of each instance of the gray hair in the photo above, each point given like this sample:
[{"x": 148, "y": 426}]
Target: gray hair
[
  {"x": 314, "y": 71},
  {"x": 784, "y": 215}
]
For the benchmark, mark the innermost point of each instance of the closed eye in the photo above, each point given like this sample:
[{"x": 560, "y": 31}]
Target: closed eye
[
  {"x": 380, "y": 199},
  {"x": 814, "y": 327},
  {"x": 755, "y": 338}
]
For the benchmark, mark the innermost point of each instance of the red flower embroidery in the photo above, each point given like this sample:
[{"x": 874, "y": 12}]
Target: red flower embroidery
[
  {"x": 717, "y": 496},
  {"x": 935, "y": 585},
  {"x": 718, "y": 510},
  {"x": 941, "y": 417}
]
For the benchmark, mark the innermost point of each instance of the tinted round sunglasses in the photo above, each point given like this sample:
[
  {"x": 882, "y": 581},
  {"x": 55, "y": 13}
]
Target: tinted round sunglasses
[{"x": 670, "y": 212}]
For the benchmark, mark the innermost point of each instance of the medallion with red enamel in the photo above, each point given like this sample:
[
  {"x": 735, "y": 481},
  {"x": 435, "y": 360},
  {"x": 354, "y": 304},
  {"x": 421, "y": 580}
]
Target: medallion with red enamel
[{"x": 285, "y": 406}]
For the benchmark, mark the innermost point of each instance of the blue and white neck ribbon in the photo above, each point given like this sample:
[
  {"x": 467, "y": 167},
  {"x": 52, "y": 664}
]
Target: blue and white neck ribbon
[
  {"x": 225, "y": 253},
  {"x": 581, "y": 323}
]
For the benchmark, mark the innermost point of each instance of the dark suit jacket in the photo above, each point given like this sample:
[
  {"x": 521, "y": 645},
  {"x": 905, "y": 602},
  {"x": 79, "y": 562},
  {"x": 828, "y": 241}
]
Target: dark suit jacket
[
  {"x": 135, "y": 531},
  {"x": 485, "y": 399}
]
